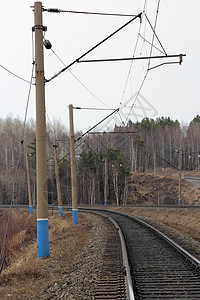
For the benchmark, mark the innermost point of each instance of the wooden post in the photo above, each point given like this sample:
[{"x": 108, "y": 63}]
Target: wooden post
[
  {"x": 57, "y": 179},
  {"x": 73, "y": 169},
  {"x": 180, "y": 168},
  {"x": 106, "y": 181},
  {"x": 29, "y": 185}
]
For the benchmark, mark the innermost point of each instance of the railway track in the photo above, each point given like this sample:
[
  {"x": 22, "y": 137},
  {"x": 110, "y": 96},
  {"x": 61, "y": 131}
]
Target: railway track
[
  {"x": 111, "y": 284},
  {"x": 155, "y": 269},
  {"x": 159, "y": 269}
]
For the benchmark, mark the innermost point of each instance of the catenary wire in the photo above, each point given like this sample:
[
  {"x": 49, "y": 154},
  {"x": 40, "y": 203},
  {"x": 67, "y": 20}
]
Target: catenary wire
[
  {"x": 154, "y": 32},
  {"x": 86, "y": 88},
  {"x": 17, "y": 76},
  {"x": 145, "y": 40},
  {"x": 135, "y": 48},
  {"x": 145, "y": 76}
]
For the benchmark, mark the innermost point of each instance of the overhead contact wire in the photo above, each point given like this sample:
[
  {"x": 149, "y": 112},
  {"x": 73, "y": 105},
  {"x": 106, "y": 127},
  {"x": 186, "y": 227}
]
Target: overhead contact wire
[
  {"x": 135, "y": 48},
  {"x": 145, "y": 76}
]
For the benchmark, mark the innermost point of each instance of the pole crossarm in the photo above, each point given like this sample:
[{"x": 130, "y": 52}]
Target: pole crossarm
[
  {"x": 132, "y": 58},
  {"x": 56, "y": 10},
  {"x": 94, "y": 47},
  {"x": 114, "y": 132},
  {"x": 115, "y": 111}
]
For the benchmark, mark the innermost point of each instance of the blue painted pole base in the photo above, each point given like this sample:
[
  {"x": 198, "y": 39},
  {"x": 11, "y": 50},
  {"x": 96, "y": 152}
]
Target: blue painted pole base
[
  {"x": 60, "y": 209},
  {"x": 180, "y": 202},
  {"x": 105, "y": 202},
  {"x": 75, "y": 216},
  {"x": 31, "y": 209},
  {"x": 42, "y": 238}
]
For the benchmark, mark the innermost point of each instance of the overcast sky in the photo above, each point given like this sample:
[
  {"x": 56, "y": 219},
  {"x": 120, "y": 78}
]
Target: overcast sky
[{"x": 170, "y": 90}]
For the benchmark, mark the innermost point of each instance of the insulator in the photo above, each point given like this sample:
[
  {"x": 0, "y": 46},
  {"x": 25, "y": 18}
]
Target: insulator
[{"x": 47, "y": 44}]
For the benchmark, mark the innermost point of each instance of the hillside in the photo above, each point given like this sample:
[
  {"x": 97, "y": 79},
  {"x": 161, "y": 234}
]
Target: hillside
[{"x": 162, "y": 188}]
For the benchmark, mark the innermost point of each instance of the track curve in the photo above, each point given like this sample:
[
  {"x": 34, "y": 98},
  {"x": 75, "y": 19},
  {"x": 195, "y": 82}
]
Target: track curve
[{"x": 158, "y": 269}]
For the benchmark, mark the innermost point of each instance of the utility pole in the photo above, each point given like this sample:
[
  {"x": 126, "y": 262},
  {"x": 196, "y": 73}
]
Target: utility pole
[
  {"x": 73, "y": 169},
  {"x": 29, "y": 185},
  {"x": 106, "y": 181},
  {"x": 180, "y": 168},
  {"x": 57, "y": 179},
  {"x": 41, "y": 161}
]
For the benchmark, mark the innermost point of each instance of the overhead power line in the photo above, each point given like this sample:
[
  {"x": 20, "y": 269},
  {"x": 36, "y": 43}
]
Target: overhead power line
[
  {"x": 80, "y": 82},
  {"x": 19, "y": 77}
]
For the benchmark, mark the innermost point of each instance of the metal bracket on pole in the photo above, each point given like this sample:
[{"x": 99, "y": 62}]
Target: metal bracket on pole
[{"x": 44, "y": 28}]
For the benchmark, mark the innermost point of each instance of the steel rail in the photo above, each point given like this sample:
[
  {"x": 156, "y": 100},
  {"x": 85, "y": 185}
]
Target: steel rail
[
  {"x": 189, "y": 258},
  {"x": 184, "y": 252},
  {"x": 128, "y": 280}
]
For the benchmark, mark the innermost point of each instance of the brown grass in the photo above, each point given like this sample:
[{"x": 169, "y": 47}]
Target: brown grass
[
  {"x": 21, "y": 232},
  {"x": 27, "y": 276}
]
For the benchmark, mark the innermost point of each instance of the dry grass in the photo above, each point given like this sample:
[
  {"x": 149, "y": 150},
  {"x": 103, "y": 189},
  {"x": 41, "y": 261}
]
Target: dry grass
[
  {"x": 27, "y": 276},
  {"x": 21, "y": 232}
]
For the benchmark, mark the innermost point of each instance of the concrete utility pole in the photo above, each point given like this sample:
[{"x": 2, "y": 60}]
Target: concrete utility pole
[
  {"x": 73, "y": 169},
  {"x": 41, "y": 160},
  {"x": 57, "y": 180},
  {"x": 106, "y": 180},
  {"x": 180, "y": 168},
  {"x": 29, "y": 185}
]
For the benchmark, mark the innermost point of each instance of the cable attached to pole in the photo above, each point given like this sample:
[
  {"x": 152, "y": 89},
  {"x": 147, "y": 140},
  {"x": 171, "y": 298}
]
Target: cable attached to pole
[
  {"x": 94, "y": 47},
  {"x": 56, "y": 10},
  {"x": 116, "y": 110}
]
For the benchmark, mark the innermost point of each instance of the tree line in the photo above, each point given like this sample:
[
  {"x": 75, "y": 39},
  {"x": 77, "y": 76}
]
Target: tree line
[{"x": 137, "y": 147}]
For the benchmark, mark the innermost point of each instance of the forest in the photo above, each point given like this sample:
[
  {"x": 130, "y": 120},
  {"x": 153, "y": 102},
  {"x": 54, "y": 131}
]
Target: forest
[{"x": 144, "y": 146}]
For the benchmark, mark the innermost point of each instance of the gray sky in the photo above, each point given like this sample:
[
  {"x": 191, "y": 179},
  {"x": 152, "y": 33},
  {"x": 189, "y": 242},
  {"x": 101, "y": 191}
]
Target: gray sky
[{"x": 170, "y": 90}]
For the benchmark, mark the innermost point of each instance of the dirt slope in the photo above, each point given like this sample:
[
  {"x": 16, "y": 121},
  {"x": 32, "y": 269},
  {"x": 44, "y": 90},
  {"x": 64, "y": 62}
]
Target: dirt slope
[{"x": 161, "y": 188}]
